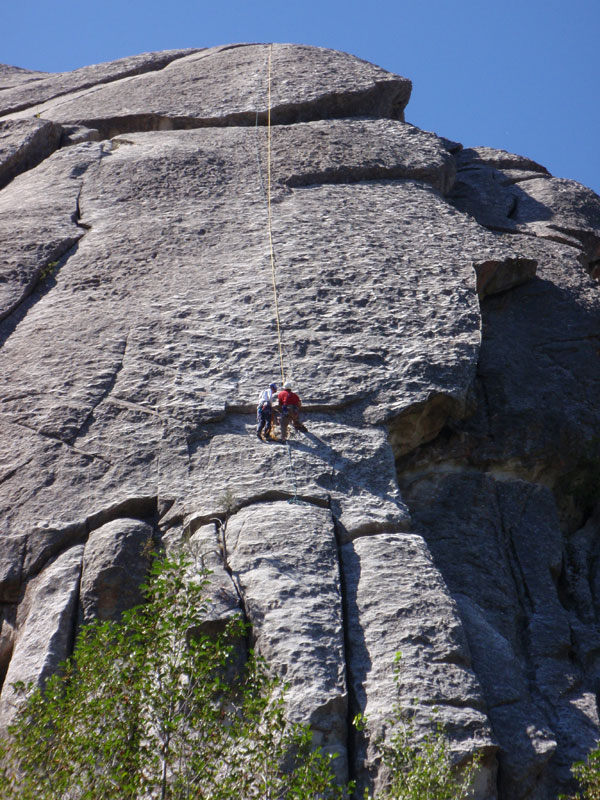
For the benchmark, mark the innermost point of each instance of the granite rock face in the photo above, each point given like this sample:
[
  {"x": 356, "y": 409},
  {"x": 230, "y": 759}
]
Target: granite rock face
[
  {"x": 116, "y": 559},
  {"x": 440, "y": 319}
]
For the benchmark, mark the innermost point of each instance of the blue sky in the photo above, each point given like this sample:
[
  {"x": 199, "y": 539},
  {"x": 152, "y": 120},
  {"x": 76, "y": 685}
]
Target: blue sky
[{"x": 521, "y": 76}]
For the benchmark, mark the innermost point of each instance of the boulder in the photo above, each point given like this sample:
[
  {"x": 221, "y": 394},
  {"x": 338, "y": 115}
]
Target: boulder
[
  {"x": 283, "y": 559},
  {"x": 44, "y": 628},
  {"x": 116, "y": 560}
]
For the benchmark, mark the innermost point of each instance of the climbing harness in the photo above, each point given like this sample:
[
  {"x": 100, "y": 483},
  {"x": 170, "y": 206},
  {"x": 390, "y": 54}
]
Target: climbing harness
[{"x": 267, "y": 197}]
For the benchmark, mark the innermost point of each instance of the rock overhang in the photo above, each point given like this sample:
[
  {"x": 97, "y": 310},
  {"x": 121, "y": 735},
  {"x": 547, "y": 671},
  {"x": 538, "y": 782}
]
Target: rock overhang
[{"x": 152, "y": 332}]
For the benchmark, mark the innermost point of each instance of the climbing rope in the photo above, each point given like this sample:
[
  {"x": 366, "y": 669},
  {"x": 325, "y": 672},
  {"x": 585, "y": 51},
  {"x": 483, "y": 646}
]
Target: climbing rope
[
  {"x": 267, "y": 196},
  {"x": 269, "y": 214}
]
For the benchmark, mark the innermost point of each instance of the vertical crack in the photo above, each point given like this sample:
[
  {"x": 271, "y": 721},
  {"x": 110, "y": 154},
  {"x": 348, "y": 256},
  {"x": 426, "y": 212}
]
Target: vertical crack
[
  {"x": 110, "y": 384},
  {"x": 221, "y": 527},
  {"x": 76, "y": 216},
  {"x": 512, "y": 212},
  {"x": 514, "y": 563},
  {"x": 352, "y": 703}
]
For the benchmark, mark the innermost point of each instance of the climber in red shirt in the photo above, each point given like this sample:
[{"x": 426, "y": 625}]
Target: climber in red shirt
[{"x": 289, "y": 410}]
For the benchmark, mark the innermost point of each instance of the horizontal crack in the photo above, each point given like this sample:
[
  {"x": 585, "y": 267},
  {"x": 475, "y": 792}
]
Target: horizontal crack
[
  {"x": 144, "y": 69},
  {"x": 56, "y": 439},
  {"x": 270, "y": 496},
  {"x": 343, "y": 175},
  {"x": 385, "y": 100},
  {"x": 78, "y": 532}
]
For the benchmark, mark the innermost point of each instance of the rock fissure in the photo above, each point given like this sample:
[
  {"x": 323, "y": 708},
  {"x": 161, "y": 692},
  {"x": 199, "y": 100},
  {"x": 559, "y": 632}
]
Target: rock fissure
[
  {"x": 43, "y": 273},
  {"x": 353, "y": 705},
  {"x": 37, "y": 89},
  {"x": 518, "y": 573},
  {"x": 197, "y": 520},
  {"x": 77, "y": 214},
  {"x": 449, "y": 374},
  {"x": 26, "y": 144},
  {"x": 112, "y": 127},
  {"x": 54, "y": 438},
  {"x": 221, "y": 530},
  {"x": 64, "y": 538},
  {"x": 6, "y": 476},
  {"x": 352, "y": 175},
  {"x": 106, "y": 390}
]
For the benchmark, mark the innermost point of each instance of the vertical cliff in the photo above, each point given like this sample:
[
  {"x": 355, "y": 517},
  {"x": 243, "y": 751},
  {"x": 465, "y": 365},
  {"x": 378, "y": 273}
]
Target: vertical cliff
[{"x": 440, "y": 317}]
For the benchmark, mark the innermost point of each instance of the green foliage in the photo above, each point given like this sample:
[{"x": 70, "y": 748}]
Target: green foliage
[
  {"x": 48, "y": 270},
  {"x": 151, "y": 707},
  {"x": 420, "y": 768},
  {"x": 227, "y": 503},
  {"x": 587, "y": 773}
]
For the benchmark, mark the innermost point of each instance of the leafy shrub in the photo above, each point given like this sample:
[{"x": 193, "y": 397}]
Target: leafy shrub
[
  {"x": 150, "y": 707},
  {"x": 587, "y": 774},
  {"x": 420, "y": 767},
  {"x": 145, "y": 709}
]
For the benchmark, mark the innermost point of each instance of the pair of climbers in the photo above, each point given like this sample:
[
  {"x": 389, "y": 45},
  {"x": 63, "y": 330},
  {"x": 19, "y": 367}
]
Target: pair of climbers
[{"x": 283, "y": 406}]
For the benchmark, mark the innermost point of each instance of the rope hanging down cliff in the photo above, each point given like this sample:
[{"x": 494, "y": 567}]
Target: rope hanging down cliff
[
  {"x": 266, "y": 192},
  {"x": 267, "y": 197},
  {"x": 269, "y": 215}
]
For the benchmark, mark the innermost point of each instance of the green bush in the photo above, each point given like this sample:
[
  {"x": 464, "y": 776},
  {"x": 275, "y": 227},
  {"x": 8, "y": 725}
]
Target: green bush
[
  {"x": 587, "y": 774},
  {"x": 145, "y": 709},
  {"x": 150, "y": 707},
  {"x": 420, "y": 767}
]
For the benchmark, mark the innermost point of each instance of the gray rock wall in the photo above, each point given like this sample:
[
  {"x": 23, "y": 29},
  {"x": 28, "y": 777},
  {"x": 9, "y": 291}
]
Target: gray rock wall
[{"x": 440, "y": 319}]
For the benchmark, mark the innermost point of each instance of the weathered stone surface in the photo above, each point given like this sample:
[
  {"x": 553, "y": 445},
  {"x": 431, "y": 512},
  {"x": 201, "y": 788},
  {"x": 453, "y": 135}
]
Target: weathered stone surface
[
  {"x": 307, "y": 83},
  {"x": 319, "y": 152},
  {"x": 561, "y": 209},
  {"x": 541, "y": 380},
  {"x": 526, "y": 741},
  {"x": 116, "y": 559},
  {"x": 340, "y": 462},
  {"x": 44, "y": 627},
  {"x": 495, "y": 276},
  {"x": 498, "y": 159},
  {"x": 539, "y": 376},
  {"x": 284, "y": 560},
  {"x": 139, "y": 327},
  {"x": 510, "y": 193},
  {"x": 205, "y": 549},
  {"x": 516, "y": 621},
  {"x": 17, "y": 76},
  {"x": 8, "y": 619},
  {"x": 38, "y": 217},
  {"x": 396, "y": 602},
  {"x": 102, "y": 385},
  {"x": 11, "y": 564},
  {"x": 24, "y": 143},
  {"x": 45, "y": 86},
  {"x": 538, "y": 380}
]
